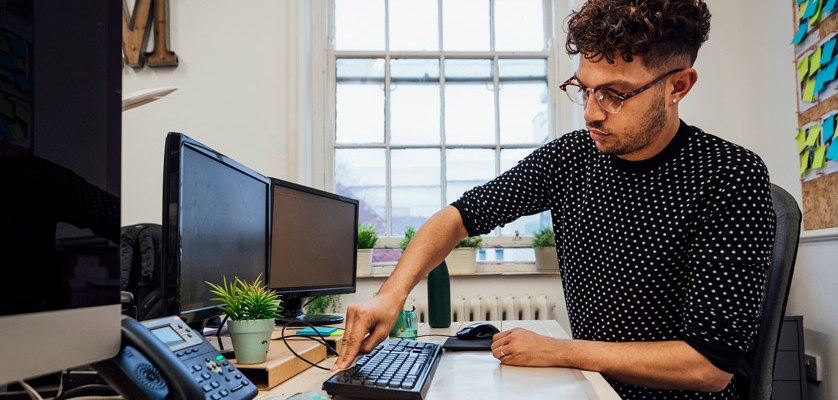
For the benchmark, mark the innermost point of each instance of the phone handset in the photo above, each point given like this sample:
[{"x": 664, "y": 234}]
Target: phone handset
[{"x": 146, "y": 369}]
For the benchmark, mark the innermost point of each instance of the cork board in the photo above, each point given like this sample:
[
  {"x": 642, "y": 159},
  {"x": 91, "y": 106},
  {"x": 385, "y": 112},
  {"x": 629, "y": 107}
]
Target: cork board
[{"x": 819, "y": 210}]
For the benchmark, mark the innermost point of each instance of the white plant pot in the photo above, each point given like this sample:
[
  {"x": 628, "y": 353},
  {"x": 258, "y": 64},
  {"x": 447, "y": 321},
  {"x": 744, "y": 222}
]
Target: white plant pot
[
  {"x": 364, "y": 267},
  {"x": 251, "y": 339},
  {"x": 462, "y": 260},
  {"x": 546, "y": 259}
]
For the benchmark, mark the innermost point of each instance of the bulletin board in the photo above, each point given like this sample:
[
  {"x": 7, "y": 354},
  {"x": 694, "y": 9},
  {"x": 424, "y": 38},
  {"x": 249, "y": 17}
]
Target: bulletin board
[{"x": 816, "y": 59}]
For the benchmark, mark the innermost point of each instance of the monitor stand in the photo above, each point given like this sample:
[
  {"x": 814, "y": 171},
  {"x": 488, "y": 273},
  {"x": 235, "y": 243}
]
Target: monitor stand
[{"x": 292, "y": 313}]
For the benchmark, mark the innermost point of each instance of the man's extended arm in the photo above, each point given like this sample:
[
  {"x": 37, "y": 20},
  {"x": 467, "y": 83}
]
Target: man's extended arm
[{"x": 659, "y": 365}]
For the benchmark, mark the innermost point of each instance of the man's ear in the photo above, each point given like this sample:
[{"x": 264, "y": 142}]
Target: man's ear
[{"x": 682, "y": 83}]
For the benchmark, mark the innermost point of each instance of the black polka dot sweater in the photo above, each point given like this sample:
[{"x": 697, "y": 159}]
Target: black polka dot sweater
[{"x": 675, "y": 247}]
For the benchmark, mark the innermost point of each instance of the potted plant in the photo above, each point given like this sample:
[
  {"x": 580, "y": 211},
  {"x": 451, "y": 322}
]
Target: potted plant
[
  {"x": 463, "y": 259},
  {"x": 251, "y": 309},
  {"x": 544, "y": 244},
  {"x": 408, "y": 234},
  {"x": 367, "y": 237}
]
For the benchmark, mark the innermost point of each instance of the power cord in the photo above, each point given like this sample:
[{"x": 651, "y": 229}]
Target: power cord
[
  {"x": 322, "y": 341},
  {"x": 448, "y": 336},
  {"x": 33, "y": 394}
]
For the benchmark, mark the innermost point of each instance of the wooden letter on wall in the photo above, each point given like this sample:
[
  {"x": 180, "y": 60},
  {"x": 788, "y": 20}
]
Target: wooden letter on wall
[{"x": 135, "y": 32}]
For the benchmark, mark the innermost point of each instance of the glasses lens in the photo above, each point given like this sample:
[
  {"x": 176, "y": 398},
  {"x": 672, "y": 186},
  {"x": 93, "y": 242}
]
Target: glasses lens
[
  {"x": 577, "y": 94},
  {"x": 609, "y": 101}
]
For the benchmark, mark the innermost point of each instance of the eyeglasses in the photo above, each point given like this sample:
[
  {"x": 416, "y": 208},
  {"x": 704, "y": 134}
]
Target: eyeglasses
[{"x": 609, "y": 99}]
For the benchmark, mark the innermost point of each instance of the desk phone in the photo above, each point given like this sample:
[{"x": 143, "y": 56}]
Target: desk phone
[{"x": 163, "y": 359}]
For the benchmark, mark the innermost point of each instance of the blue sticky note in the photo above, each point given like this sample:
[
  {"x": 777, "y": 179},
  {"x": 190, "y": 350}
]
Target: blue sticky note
[
  {"x": 829, "y": 6},
  {"x": 7, "y": 62},
  {"x": 821, "y": 80},
  {"x": 4, "y": 127},
  {"x": 800, "y": 1},
  {"x": 801, "y": 32},
  {"x": 811, "y": 9},
  {"x": 832, "y": 153},
  {"x": 828, "y": 49},
  {"x": 828, "y": 128},
  {"x": 18, "y": 47},
  {"x": 310, "y": 331},
  {"x": 23, "y": 82},
  {"x": 832, "y": 68}
]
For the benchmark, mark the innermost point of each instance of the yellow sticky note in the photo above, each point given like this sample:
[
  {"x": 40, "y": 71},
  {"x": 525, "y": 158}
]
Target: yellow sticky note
[
  {"x": 817, "y": 16},
  {"x": 820, "y": 157},
  {"x": 22, "y": 112},
  {"x": 812, "y": 137},
  {"x": 809, "y": 91},
  {"x": 17, "y": 131},
  {"x": 803, "y": 69},
  {"x": 801, "y": 140},
  {"x": 804, "y": 162},
  {"x": 802, "y": 10},
  {"x": 815, "y": 61}
]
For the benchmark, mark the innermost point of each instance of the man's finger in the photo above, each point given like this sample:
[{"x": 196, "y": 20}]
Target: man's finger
[{"x": 352, "y": 337}]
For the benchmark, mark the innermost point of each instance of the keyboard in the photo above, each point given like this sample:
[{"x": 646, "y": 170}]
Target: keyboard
[{"x": 395, "y": 369}]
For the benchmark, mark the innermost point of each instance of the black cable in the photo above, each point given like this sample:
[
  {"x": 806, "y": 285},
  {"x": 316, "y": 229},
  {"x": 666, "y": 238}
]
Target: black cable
[
  {"x": 436, "y": 335},
  {"x": 321, "y": 341},
  {"x": 88, "y": 390},
  {"x": 310, "y": 300},
  {"x": 218, "y": 333}
]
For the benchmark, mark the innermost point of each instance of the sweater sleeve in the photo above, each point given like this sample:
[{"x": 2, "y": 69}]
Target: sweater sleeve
[
  {"x": 526, "y": 189},
  {"x": 729, "y": 264}
]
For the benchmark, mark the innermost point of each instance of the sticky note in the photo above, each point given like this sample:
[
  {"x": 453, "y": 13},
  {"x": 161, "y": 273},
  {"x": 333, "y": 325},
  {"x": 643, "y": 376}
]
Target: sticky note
[
  {"x": 7, "y": 62},
  {"x": 812, "y": 137},
  {"x": 18, "y": 47},
  {"x": 801, "y": 13},
  {"x": 803, "y": 69},
  {"x": 4, "y": 127},
  {"x": 4, "y": 45},
  {"x": 23, "y": 82},
  {"x": 828, "y": 49},
  {"x": 816, "y": 17},
  {"x": 829, "y": 6},
  {"x": 820, "y": 153},
  {"x": 801, "y": 32},
  {"x": 820, "y": 80},
  {"x": 815, "y": 61},
  {"x": 17, "y": 131},
  {"x": 21, "y": 66},
  {"x": 828, "y": 128},
  {"x": 800, "y": 1},
  {"x": 804, "y": 162},
  {"x": 311, "y": 331},
  {"x": 832, "y": 68},
  {"x": 809, "y": 91},
  {"x": 832, "y": 153},
  {"x": 338, "y": 332},
  {"x": 811, "y": 8},
  {"x": 22, "y": 112},
  {"x": 801, "y": 140}
]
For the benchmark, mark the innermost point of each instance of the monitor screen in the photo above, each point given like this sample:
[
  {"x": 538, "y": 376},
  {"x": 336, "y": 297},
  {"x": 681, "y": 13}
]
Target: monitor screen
[
  {"x": 313, "y": 242},
  {"x": 60, "y": 174},
  {"x": 216, "y": 225}
]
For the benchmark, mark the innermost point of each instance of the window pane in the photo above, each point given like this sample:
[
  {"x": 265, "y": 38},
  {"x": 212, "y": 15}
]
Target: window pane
[
  {"x": 468, "y": 69},
  {"x": 360, "y": 69},
  {"x": 510, "y": 157},
  {"x": 519, "y": 25},
  {"x": 414, "y": 113},
  {"x": 524, "y": 117},
  {"x": 360, "y": 174},
  {"x": 413, "y": 25},
  {"x": 465, "y": 25},
  {"x": 522, "y": 68},
  {"x": 359, "y": 24},
  {"x": 525, "y": 225},
  {"x": 416, "y": 187},
  {"x": 359, "y": 110},
  {"x": 416, "y": 70},
  {"x": 469, "y": 113},
  {"x": 465, "y": 169}
]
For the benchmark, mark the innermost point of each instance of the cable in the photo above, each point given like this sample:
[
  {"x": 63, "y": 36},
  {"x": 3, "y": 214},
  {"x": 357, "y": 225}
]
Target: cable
[
  {"x": 33, "y": 394},
  {"x": 321, "y": 341},
  {"x": 88, "y": 391},
  {"x": 436, "y": 335},
  {"x": 310, "y": 300},
  {"x": 218, "y": 333}
]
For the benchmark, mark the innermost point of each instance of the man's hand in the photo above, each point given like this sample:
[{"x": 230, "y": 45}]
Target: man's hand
[
  {"x": 525, "y": 348},
  {"x": 375, "y": 316}
]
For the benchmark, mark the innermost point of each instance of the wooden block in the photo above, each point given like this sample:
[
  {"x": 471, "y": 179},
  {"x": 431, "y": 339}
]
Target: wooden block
[{"x": 281, "y": 364}]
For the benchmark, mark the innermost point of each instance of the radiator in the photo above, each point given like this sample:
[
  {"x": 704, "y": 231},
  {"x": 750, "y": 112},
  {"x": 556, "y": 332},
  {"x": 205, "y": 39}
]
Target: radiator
[{"x": 495, "y": 308}]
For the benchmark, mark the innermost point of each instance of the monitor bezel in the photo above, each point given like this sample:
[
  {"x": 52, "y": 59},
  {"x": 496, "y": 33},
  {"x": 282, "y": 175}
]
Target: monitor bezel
[
  {"x": 173, "y": 230},
  {"x": 302, "y": 292}
]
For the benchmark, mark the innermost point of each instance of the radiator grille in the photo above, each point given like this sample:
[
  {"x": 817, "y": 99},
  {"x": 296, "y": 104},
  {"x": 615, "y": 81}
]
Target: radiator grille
[{"x": 496, "y": 308}]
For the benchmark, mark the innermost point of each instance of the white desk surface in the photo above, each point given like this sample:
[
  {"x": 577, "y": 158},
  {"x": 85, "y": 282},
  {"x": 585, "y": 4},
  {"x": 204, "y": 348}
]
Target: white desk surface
[{"x": 473, "y": 375}]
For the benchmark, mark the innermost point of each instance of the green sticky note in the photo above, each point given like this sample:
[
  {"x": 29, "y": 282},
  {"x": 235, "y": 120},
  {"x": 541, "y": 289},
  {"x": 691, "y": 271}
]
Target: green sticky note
[
  {"x": 22, "y": 112},
  {"x": 814, "y": 61},
  {"x": 4, "y": 45},
  {"x": 803, "y": 69},
  {"x": 820, "y": 157},
  {"x": 802, "y": 10},
  {"x": 19, "y": 63},
  {"x": 17, "y": 131},
  {"x": 6, "y": 107},
  {"x": 809, "y": 91},
  {"x": 801, "y": 140},
  {"x": 817, "y": 16},
  {"x": 804, "y": 162},
  {"x": 812, "y": 137}
]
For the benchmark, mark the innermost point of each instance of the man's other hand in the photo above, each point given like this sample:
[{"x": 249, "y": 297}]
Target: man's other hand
[{"x": 525, "y": 348}]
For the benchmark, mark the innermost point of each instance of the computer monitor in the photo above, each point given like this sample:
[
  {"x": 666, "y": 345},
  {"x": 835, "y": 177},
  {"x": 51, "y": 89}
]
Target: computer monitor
[
  {"x": 60, "y": 169},
  {"x": 314, "y": 247},
  {"x": 216, "y": 225}
]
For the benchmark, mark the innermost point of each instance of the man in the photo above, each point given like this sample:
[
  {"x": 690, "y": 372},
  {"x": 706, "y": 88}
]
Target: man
[{"x": 664, "y": 233}]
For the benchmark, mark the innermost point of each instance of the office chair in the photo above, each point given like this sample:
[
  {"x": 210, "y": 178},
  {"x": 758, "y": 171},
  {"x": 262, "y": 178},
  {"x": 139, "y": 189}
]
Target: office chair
[{"x": 758, "y": 366}]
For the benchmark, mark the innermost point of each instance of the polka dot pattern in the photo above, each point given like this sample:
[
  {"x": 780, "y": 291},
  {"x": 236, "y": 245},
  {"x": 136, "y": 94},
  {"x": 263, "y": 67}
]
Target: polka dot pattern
[{"x": 672, "y": 248}]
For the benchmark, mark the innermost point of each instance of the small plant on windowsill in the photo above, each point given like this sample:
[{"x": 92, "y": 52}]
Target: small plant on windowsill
[
  {"x": 544, "y": 245},
  {"x": 251, "y": 309},
  {"x": 408, "y": 235},
  {"x": 367, "y": 238},
  {"x": 463, "y": 259}
]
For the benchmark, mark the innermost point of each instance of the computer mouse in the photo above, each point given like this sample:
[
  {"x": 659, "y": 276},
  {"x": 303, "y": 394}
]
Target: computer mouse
[{"x": 480, "y": 330}]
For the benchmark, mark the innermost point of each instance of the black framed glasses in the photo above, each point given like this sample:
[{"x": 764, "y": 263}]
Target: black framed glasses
[{"x": 609, "y": 99}]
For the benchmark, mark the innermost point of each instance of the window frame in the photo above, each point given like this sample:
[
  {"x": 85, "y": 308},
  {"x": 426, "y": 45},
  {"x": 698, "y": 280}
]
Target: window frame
[{"x": 549, "y": 54}]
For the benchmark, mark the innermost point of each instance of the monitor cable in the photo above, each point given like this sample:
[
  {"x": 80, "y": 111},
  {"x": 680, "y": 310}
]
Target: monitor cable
[{"x": 322, "y": 341}]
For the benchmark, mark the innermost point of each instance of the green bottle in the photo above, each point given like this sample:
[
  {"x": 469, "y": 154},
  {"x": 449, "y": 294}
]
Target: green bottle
[{"x": 439, "y": 297}]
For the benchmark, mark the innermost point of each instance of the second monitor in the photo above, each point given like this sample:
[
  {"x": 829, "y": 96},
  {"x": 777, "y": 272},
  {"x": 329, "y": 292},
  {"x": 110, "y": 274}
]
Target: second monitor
[{"x": 313, "y": 247}]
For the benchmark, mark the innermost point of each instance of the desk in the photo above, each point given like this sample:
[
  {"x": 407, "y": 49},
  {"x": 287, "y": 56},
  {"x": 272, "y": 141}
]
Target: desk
[{"x": 470, "y": 375}]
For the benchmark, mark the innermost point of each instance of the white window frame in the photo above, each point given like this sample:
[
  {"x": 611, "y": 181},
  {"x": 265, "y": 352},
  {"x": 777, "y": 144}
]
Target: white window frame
[{"x": 560, "y": 117}]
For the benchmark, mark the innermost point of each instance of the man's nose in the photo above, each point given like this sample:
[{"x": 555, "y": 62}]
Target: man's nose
[{"x": 594, "y": 111}]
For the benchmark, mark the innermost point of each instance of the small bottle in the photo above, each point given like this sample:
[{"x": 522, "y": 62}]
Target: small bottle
[{"x": 408, "y": 321}]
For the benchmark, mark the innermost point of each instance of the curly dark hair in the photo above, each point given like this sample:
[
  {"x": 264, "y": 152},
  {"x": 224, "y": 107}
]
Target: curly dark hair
[{"x": 660, "y": 31}]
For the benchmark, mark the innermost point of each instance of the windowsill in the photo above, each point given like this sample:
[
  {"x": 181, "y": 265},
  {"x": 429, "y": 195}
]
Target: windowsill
[{"x": 483, "y": 269}]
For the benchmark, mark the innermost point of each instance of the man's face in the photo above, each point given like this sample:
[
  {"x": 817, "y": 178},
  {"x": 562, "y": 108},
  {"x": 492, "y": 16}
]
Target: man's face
[{"x": 634, "y": 133}]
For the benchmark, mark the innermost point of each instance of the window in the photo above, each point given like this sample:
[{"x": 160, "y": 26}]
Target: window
[{"x": 434, "y": 97}]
